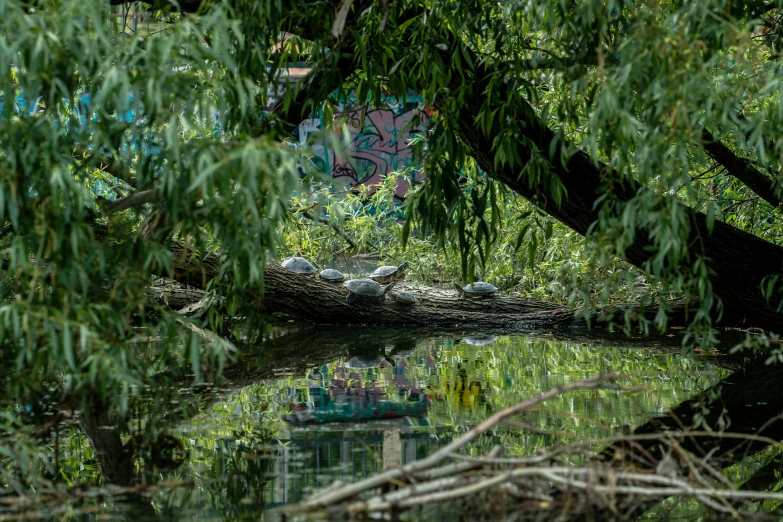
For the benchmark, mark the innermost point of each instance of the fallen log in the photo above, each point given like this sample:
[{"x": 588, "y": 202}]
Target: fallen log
[
  {"x": 317, "y": 301},
  {"x": 320, "y": 302}
]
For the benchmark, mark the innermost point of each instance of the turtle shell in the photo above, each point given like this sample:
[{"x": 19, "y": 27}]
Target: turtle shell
[
  {"x": 384, "y": 274},
  {"x": 481, "y": 340},
  {"x": 332, "y": 275},
  {"x": 480, "y": 288},
  {"x": 384, "y": 271},
  {"x": 299, "y": 265},
  {"x": 404, "y": 297},
  {"x": 364, "y": 287}
]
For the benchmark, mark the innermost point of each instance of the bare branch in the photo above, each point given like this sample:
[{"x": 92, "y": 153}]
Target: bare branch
[
  {"x": 340, "y": 17},
  {"x": 134, "y": 200}
]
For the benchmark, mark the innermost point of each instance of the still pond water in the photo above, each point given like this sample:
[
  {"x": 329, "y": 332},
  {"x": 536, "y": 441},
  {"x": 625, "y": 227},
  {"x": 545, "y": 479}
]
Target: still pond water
[{"x": 243, "y": 460}]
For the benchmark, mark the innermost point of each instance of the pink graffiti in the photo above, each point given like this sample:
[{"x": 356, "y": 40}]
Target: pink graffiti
[{"x": 377, "y": 145}]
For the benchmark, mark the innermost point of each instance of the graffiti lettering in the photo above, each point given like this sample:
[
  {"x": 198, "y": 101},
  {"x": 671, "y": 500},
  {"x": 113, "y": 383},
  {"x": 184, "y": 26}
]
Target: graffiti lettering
[{"x": 376, "y": 144}]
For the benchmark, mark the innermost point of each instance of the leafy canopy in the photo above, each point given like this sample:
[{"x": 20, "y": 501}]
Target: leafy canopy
[{"x": 114, "y": 144}]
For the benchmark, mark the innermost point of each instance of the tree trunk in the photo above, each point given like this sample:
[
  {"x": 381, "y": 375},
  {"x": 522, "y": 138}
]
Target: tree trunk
[{"x": 738, "y": 261}]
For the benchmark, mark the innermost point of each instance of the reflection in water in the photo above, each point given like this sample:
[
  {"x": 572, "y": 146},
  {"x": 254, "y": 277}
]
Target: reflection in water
[
  {"x": 481, "y": 340},
  {"x": 245, "y": 460},
  {"x": 383, "y": 391}
]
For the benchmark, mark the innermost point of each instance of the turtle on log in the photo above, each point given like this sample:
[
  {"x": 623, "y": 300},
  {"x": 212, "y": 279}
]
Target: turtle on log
[
  {"x": 365, "y": 289},
  {"x": 386, "y": 274},
  {"x": 404, "y": 298},
  {"x": 478, "y": 289},
  {"x": 330, "y": 275},
  {"x": 299, "y": 265}
]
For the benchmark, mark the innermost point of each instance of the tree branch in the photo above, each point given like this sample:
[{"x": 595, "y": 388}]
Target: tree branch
[
  {"x": 742, "y": 169},
  {"x": 736, "y": 282},
  {"x": 134, "y": 200}
]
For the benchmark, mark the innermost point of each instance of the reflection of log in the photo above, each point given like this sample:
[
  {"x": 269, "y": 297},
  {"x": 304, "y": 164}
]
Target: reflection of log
[{"x": 401, "y": 338}]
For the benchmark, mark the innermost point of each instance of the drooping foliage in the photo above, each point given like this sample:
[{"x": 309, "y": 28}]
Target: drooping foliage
[{"x": 114, "y": 146}]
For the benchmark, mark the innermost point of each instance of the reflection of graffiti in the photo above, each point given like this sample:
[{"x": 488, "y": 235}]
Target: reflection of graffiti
[
  {"x": 361, "y": 389},
  {"x": 376, "y": 145}
]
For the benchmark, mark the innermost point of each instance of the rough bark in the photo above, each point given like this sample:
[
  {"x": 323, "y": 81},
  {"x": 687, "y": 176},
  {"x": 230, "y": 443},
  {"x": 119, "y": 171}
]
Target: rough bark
[
  {"x": 322, "y": 302},
  {"x": 173, "y": 295}
]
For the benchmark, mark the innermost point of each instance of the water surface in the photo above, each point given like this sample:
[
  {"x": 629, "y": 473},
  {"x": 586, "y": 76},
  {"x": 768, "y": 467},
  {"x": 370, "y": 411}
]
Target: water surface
[{"x": 242, "y": 460}]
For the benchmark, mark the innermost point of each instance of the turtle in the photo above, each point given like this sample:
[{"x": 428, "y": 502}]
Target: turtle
[
  {"x": 358, "y": 362},
  {"x": 385, "y": 274},
  {"x": 330, "y": 275},
  {"x": 365, "y": 289},
  {"x": 480, "y": 340},
  {"x": 403, "y": 297},
  {"x": 299, "y": 265},
  {"x": 476, "y": 290}
]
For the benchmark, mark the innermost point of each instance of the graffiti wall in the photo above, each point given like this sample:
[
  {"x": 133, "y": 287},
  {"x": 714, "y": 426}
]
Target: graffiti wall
[
  {"x": 365, "y": 144},
  {"x": 368, "y": 144}
]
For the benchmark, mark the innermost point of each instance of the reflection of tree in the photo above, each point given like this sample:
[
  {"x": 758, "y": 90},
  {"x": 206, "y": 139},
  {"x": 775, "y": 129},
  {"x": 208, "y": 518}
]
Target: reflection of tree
[
  {"x": 172, "y": 401},
  {"x": 746, "y": 402},
  {"x": 115, "y": 459},
  {"x": 488, "y": 372},
  {"x": 462, "y": 391},
  {"x": 238, "y": 484}
]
